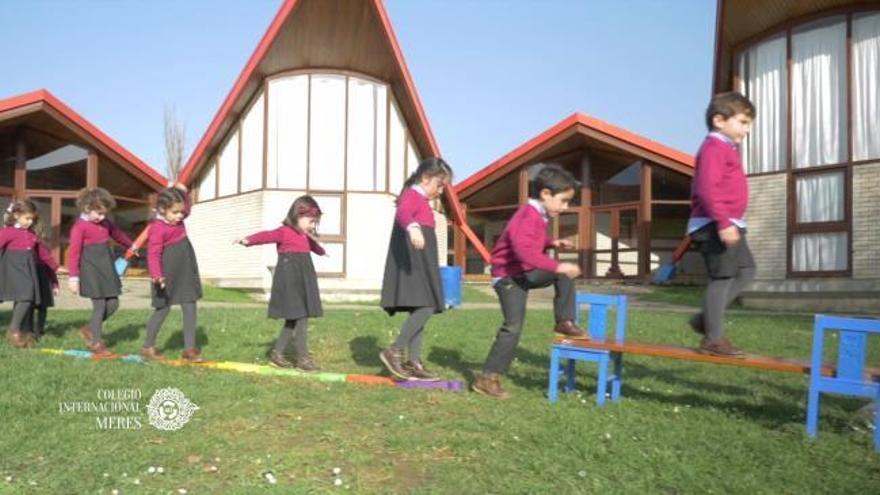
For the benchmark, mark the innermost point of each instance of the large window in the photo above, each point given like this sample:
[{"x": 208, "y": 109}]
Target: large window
[{"x": 816, "y": 87}]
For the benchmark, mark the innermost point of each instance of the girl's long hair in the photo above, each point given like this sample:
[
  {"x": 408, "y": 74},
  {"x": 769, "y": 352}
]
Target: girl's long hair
[
  {"x": 429, "y": 167},
  {"x": 303, "y": 206}
]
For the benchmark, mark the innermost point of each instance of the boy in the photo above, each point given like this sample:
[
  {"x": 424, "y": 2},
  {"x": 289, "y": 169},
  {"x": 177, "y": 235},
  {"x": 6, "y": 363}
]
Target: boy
[
  {"x": 519, "y": 263},
  {"x": 719, "y": 197}
]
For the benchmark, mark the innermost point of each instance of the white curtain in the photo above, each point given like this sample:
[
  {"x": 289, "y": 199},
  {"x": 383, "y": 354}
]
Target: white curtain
[
  {"x": 819, "y": 252},
  {"x": 866, "y": 86},
  {"x": 820, "y": 198},
  {"x": 763, "y": 76},
  {"x": 252, "y": 146},
  {"x": 818, "y": 92},
  {"x": 287, "y": 133},
  {"x": 327, "y": 133}
]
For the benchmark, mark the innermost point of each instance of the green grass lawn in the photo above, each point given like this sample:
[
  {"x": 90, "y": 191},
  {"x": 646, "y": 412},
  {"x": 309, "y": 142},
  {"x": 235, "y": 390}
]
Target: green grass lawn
[
  {"x": 686, "y": 295},
  {"x": 681, "y": 427},
  {"x": 212, "y": 293}
]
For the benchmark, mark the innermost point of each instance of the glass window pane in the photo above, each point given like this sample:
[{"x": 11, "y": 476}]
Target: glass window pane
[
  {"x": 412, "y": 158},
  {"x": 119, "y": 182},
  {"x": 62, "y": 168},
  {"x": 331, "y": 215},
  {"x": 362, "y": 154},
  {"x": 763, "y": 78},
  {"x": 7, "y": 162},
  {"x": 381, "y": 137},
  {"x": 208, "y": 184},
  {"x": 819, "y": 252},
  {"x": 866, "y": 86},
  {"x": 396, "y": 145},
  {"x": 287, "y": 133},
  {"x": 818, "y": 94},
  {"x": 252, "y": 147},
  {"x": 227, "y": 165},
  {"x": 333, "y": 262},
  {"x": 820, "y": 198},
  {"x": 568, "y": 228},
  {"x": 629, "y": 230},
  {"x": 327, "y": 133}
]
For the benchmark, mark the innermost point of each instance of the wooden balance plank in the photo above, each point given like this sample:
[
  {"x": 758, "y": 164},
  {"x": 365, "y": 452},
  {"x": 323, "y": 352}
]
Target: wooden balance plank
[{"x": 690, "y": 354}]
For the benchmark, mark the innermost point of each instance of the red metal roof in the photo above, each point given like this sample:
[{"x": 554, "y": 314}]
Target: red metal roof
[
  {"x": 574, "y": 120},
  {"x": 47, "y": 98},
  {"x": 198, "y": 157}
]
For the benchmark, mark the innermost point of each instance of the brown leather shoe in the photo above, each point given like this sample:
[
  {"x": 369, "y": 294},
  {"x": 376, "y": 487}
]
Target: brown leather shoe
[
  {"x": 418, "y": 372},
  {"x": 391, "y": 359},
  {"x": 307, "y": 364},
  {"x": 278, "y": 360},
  {"x": 489, "y": 384},
  {"x": 151, "y": 354},
  {"x": 722, "y": 348},
  {"x": 100, "y": 351},
  {"x": 192, "y": 356},
  {"x": 18, "y": 340},
  {"x": 697, "y": 324},
  {"x": 86, "y": 333},
  {"x": 568, "y": 329}
]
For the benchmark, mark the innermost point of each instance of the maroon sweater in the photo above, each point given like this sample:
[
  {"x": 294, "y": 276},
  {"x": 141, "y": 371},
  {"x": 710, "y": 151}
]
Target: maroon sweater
[
  {"x": 719, "y": 191},
  {"x": 162, "y": 234},
  {"x": 18, "y": 239},
  {"x": 413, "y": 207},
  {"x": 85, "y": 233},
  {"x": 288, "y": 240},
  {"x": 522, "y": 245}
]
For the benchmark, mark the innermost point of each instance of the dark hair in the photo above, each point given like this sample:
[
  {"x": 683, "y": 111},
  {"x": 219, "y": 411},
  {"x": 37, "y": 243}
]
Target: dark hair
[
  {"x": 95, "y": 199},
  {"x": 554, "y": 178},
  {"x": 169, "y": 197},
  {"x": 429, "y": 167},
  {"x": 727, "y": 105},
  {"x": 303, "y": 206},
  {"x": 20, "y": 207}
]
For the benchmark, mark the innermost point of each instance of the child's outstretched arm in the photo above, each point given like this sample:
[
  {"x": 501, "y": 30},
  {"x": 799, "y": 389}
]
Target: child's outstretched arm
[
  {"x": 264, "y": 237},
  {"x": 155, "y": 248}
]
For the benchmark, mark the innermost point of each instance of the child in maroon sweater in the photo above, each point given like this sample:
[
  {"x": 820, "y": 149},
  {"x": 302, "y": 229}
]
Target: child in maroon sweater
[
  {"x": 20, "y": 280},
  {"x": 171, "y": 261},
  {"x": 719, "y": 196},
  {"x": 519, "y": 263},
  {"x": 90, "y": 263}
]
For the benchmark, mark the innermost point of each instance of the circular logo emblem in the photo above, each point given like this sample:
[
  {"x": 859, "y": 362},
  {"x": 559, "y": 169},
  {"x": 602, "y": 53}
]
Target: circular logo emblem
[{"x": 169, "y": 409}]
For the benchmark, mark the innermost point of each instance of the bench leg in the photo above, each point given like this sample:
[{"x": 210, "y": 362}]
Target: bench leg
[
  {"x": 812, "y": 411},
  {"x": 617, "y": 379},
  {"x": 602, "y": 385},
  {"x": 569, "y": 376},
  {"x": 553, "y": 387}
]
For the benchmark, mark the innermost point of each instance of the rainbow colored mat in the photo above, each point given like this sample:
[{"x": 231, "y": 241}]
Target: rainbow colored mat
[{"x": 262, "y": 369}]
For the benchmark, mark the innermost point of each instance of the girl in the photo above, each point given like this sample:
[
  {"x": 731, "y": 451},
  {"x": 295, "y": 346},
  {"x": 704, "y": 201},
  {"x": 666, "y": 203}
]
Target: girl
[
  {"x": 19, "y": 276},
  {"x": 90, "y": 263},
  {"x": 35, "y": 321},
  {"x": 412, "y": 271},
  {"x": 172, "y": 265},
  {"x": 295, "y": 296}
]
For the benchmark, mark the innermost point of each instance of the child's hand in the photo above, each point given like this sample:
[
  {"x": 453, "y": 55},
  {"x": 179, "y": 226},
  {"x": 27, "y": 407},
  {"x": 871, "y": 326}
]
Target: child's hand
[
  {"x": 563, "y": 244},
  {"x": 570, "y": 270},
  {"x": 729, "y": 236},
  {"x": 73, "y": 285},
  {"x": 56, "y": 291},
  {"x": 160, "y": 282},
  {"x": 242, "y": 241},
  {"x": 416, "y": 238},
  {"x": 132, "y": 253}
]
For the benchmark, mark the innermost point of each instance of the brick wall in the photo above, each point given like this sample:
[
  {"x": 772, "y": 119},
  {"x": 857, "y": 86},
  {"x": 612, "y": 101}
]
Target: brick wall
[{"x": 766, "y": 218}]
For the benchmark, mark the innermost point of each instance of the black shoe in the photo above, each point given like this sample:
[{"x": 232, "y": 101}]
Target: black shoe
[
  {"x": 418, "y": 372},
  {"x": 278, "y": 360},
  {"x": 307, "y": 364},
  {"x": 391, "y": 359}
]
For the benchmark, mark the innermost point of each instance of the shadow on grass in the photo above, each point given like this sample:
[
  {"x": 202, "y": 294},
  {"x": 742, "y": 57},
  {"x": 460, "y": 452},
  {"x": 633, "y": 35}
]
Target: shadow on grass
[
  {"x": 365, "y": 351},
  {"x": 175, "y": 343}
]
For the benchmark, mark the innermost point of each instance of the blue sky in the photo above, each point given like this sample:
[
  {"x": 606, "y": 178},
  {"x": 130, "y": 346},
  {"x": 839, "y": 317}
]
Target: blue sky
[{"x": 491, "y": 73}]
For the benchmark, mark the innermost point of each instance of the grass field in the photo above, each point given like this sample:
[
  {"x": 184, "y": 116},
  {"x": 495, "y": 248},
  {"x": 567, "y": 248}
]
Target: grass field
[{"x": 681, "y": 427}]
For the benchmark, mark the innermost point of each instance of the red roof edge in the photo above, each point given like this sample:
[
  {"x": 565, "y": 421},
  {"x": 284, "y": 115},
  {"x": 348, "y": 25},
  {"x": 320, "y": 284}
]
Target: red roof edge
[
  {"x": 43, "y": 95},
  {"x": 572, "y": 120},
  {"x": 238, "y": 87}
]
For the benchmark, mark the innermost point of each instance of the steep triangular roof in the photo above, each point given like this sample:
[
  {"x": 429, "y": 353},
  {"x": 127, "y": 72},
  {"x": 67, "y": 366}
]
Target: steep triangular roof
[
  {"x": 19, "y": 108},
  {"x": 575, "y": 126},
  {"x": 350, "y": 35}
]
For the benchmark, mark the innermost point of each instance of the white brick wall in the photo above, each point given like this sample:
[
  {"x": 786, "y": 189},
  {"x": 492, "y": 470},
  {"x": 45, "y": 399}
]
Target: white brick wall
[
  {"x": 767, "y": 222},
  {"x": 866, "y": 221}
]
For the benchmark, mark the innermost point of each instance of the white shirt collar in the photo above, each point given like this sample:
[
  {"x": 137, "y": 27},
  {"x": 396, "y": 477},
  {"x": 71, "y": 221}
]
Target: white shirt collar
[
  {"x": 723, "y": 137},
  {"x": 421, "y": 190},
  {"x": 18, "y": 225},
  {"x": 538, "y": 206}
]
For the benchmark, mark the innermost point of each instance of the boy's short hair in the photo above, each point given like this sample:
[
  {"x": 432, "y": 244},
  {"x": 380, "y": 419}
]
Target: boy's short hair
[
  {"x": 727, "y": 105},
  {"x": 554, "y": 178}
]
